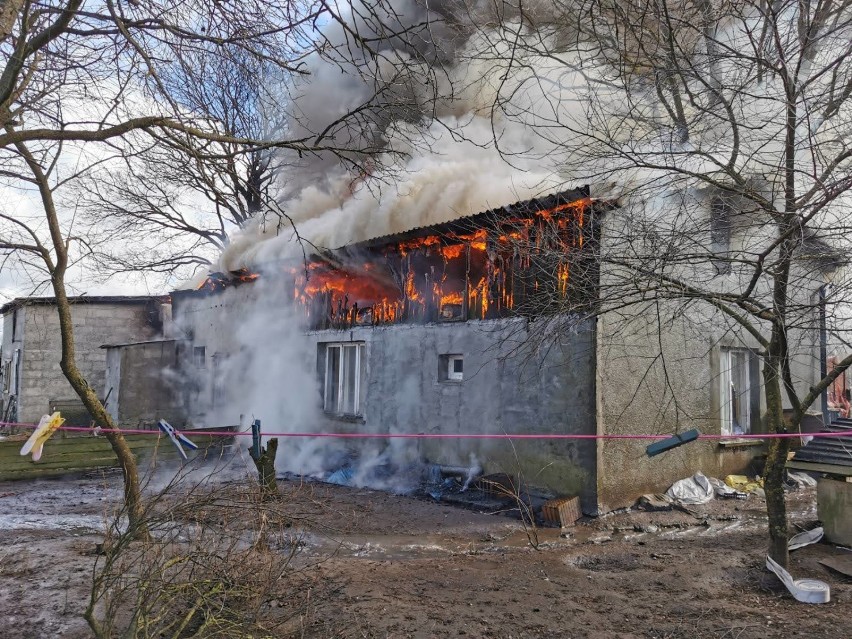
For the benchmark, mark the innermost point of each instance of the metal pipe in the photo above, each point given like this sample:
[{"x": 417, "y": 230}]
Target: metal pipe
[{"x": 469, "y": 473}]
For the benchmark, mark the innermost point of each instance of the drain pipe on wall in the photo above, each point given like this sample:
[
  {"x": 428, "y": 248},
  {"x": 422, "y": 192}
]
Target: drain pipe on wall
[{"x": 823, "y": 352}]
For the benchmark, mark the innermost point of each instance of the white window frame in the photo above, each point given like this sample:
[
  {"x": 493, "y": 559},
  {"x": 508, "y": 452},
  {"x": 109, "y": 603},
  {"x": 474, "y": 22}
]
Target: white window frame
[
  {"x": 16, "y": 372},
  {"x": 340, "y": 382},
  {"x": 726, "y": 399},
  {"x": 452, "y": 375}
]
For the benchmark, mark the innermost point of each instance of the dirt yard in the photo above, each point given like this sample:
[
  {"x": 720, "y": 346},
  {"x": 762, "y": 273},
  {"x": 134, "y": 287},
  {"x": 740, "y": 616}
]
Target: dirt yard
[{"x": 379, "y": 565}]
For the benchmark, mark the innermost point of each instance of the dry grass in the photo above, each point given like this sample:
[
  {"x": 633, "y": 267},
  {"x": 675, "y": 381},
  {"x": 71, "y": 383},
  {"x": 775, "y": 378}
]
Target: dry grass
[{"x": 221, "y": 563}]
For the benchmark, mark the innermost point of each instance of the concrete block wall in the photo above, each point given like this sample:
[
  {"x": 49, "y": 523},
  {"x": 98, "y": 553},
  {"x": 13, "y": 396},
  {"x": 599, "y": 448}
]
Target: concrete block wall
[
  {"x": 143, "y": 382},
  {"x": 94, "y": 325},
  {"x": 506, "y": 389}
]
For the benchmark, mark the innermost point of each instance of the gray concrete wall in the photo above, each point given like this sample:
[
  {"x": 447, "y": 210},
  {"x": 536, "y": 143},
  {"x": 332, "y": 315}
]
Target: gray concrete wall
[
  {"x": 508, "y": 387},
  {"x": 661, "y": 380},
  {"x": 834, "y": 509},
  {"x": 659, "y": 367},
  {"x": 94, "y": 325},
  {"x": 143, "y": 378},
  {"x": 215, "y": 323}
]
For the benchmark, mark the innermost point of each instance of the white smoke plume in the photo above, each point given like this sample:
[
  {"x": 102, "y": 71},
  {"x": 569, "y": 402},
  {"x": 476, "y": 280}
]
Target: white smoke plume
[{"x": 446, "y": 154}]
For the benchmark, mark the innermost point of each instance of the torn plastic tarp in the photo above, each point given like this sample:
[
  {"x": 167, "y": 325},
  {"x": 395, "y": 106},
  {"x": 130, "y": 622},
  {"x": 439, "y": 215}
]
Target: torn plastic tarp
[
  {"x": 723, "y": 491},
  {"x": 692, "y": 490},
  {"x": 341, "y": 477},
  {"x": 802, "y": 480}
]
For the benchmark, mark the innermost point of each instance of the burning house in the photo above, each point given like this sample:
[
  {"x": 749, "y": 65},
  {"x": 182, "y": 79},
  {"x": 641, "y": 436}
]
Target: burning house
[{"x": 480, "y": 325}]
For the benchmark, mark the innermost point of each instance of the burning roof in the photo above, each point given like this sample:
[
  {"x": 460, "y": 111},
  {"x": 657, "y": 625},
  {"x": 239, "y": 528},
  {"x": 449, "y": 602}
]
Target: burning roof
[{"x": 526, "y": 258}]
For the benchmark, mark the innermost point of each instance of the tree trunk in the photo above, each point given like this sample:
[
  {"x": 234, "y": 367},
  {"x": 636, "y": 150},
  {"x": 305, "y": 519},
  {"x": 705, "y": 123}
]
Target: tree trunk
[
  {"x": 265, "y": 464},
  {"x": 126, "y": 458},
  {"x": 776, "y": 458},
  {"x": 68, "y": 363}
]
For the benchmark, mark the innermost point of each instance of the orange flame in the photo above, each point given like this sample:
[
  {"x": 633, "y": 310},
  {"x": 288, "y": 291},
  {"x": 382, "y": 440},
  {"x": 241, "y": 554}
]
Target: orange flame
[{"x": 447, "y": 276}]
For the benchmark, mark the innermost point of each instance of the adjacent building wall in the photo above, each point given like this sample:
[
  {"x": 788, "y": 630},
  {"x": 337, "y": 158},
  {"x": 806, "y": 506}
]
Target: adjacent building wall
[
  {"x": 145, "y": 384},
  {"x": 659, "y": 370},
  {"x": 41, "y": 379}
]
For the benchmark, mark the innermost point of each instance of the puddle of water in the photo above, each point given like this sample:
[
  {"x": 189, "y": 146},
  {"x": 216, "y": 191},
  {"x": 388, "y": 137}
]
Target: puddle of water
[
  {"x": 401, "y": 546},
  {"x": 74, "y": 524}
]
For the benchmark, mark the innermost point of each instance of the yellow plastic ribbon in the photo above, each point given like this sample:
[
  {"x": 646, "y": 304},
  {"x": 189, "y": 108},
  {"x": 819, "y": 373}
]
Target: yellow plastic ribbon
[{"x": 48, "y": 425}]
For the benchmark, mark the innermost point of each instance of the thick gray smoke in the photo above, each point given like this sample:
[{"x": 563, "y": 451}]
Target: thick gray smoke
[{"x": 424, "y": 100}]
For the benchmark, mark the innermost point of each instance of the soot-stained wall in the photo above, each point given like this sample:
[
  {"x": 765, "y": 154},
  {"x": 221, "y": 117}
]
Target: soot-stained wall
[{"x": 508, "y": 386}]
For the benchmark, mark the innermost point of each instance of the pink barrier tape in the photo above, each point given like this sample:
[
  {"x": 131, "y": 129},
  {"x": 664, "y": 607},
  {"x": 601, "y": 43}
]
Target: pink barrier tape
[{"x": 136, "y": 431}]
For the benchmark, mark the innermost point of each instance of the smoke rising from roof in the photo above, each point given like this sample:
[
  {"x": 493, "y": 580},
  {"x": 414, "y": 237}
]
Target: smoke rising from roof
[{"x": 426, "y": 103}]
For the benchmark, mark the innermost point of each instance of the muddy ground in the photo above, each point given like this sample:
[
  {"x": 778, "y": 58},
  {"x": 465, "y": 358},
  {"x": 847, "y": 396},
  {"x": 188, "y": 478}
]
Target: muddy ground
[{"x": 373, "y": 564}]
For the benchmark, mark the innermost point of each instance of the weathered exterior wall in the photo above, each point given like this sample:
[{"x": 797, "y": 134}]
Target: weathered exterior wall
[
  {"x": 523, "y": 392},
  {"x": 94, "y": 324},
  {"x": 502, "y": 391},
  {"x": 834, "y": 509},
  {"x": 659, "y": 371},
  {"x": 212, "y": 322},
  {"x": 143, "y": 377},
  {"x": 660, "y": 381}
]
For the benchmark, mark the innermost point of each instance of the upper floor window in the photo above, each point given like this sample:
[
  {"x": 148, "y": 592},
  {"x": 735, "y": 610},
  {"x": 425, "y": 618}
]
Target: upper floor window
[
  {"x": 343, "y": 387},
  {"x": 720, "y": 234},
  {"x": 199, "y": 356}
]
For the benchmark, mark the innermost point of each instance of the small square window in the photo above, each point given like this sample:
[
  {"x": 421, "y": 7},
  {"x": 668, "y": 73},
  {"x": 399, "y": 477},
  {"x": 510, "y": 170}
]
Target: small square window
[{"x": 452, "y": 368}]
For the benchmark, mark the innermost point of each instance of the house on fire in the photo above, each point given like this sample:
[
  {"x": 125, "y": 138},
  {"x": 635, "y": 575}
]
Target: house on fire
[{"x": 461, "y": 328}]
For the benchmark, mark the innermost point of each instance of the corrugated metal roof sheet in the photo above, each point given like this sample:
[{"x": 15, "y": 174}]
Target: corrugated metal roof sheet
[
  {"x": 467, "y": 222},
  {"x": 829, "y": 450}
]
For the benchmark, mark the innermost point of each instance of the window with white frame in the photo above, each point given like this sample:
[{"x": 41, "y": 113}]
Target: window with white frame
[
  {"x": 199, "y": 356},
  {"x": 343, "y": 392},
  {"x": 736, "y": 391},
  {"x": 451, "y": 368}
]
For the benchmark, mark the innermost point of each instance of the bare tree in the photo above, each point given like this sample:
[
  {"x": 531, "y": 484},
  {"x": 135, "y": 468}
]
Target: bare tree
[
  {"x": 82, "y": 84},
  {"x": 166, "y": 210},
  {"x": 723, "y": 127}
]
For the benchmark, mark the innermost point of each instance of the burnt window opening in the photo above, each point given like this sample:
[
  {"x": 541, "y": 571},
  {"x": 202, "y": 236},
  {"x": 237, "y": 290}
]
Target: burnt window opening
[
  {"x": 343, "y": 378},
  {"x": 451, "y": 367},
  {"x": 529, "y": 261},
  {"x": 15, "y": 325},
  {"x": 199, "y": 356},
  {"x": 720, "y": 235}
]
